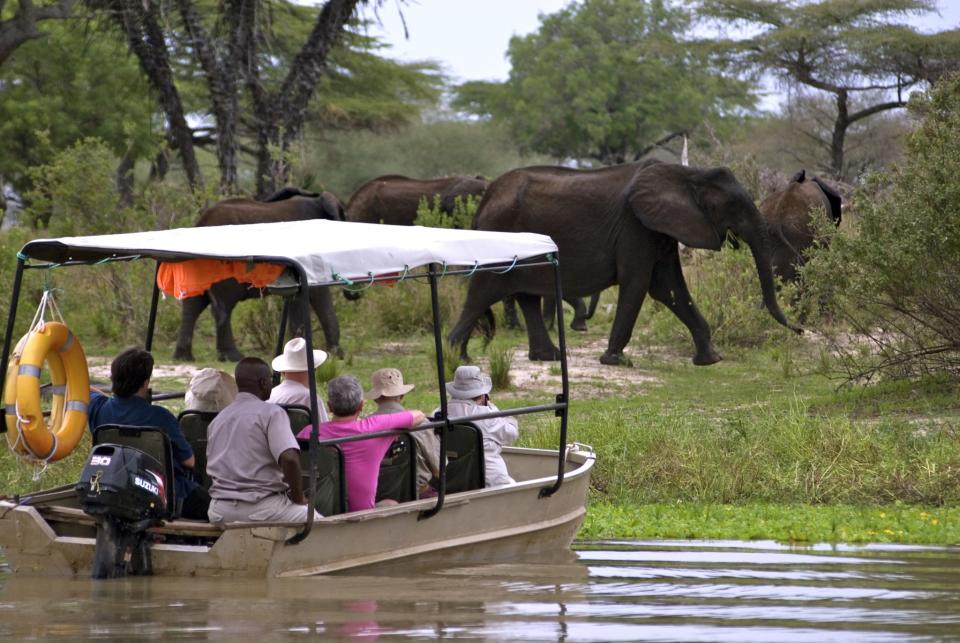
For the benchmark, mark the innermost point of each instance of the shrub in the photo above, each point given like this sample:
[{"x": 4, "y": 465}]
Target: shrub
[
  {"x": 501, "y": 359},
  {"x": 896, "y": 282},
  {"x": 432, "y": 216}
]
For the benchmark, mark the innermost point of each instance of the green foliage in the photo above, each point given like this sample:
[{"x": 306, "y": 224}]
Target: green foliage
[
  {"x": 434, "y": 217},
  {"x": 75, "y": 83},
  {"x": 896, "y": 281},
  {"x": 343, "y": 161},
  {"x": 602, "y": 80},
  {"x": 798, "y": 523},
  {"x": 76, "y": 192}
]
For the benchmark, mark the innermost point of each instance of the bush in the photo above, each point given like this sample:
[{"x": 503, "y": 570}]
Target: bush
[
  {"x": 501, "y": 359},
  {"x": 461, "y": 217},
  {"x": 896, "y": 282}
]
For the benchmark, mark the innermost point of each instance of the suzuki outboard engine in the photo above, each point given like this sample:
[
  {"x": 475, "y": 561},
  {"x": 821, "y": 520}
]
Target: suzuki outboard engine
[{"x": 125, "y": 490}]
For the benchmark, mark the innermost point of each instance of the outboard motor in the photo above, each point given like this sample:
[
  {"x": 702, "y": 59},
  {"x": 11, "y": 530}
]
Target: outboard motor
[{"x": 125, "y": 490}]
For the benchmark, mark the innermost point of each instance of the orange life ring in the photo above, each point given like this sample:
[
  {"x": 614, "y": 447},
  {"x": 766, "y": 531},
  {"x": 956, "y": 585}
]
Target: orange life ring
[{"x": 27, "y": 431}]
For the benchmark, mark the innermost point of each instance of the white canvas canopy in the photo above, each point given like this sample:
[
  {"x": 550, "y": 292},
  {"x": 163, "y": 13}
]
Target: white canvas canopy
[{"x": 329, "y": 251}]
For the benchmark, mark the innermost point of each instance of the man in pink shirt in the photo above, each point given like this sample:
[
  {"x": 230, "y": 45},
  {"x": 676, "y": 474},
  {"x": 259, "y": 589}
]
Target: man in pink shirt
[{"x": 361, "y": 458}]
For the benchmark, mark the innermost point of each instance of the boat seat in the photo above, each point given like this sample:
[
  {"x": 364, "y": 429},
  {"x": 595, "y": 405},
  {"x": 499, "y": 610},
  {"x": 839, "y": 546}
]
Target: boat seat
[
  {"x": 398, "y": 471},
  {"x": 152, "y": 441},
  {"x": 299, "y": 416},
  {"x": 331, "y": 478},
  {"x": 464, "y": 457},
  {"x": 194, "y": 425}
]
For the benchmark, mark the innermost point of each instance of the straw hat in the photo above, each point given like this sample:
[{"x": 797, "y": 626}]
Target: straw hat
[
  {"x": 388, "y": 382},
  {"x": 294, "y": 357},
  {"x": 468, "y": 382},
  {"x": 210, "y": 390}
]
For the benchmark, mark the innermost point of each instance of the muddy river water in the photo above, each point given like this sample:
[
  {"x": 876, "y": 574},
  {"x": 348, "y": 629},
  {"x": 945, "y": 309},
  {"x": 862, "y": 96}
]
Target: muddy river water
[{"x": 608, "y": 591}]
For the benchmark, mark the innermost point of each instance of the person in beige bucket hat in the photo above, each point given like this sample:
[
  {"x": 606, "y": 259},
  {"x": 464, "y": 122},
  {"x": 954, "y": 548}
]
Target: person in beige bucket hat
[
  {"x": 470, "y": 395},
  {"x": 387, "y": 390},
  {"x": 294, "y": 387}
]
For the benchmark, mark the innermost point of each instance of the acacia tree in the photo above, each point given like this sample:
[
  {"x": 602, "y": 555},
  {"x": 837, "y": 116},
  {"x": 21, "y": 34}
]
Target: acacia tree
[
  {"x": 603, "y": 80},
  {"x": 853, "y": 51},
  {"x": 22, "y": 26}
]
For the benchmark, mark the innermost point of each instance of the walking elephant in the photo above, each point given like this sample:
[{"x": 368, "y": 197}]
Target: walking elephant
[
  {"x": 394, "y": 199},
  {"x": 289, "y": 204},
  {"x": 788, "y": 213},
  {"x": 616, "y": 225}
]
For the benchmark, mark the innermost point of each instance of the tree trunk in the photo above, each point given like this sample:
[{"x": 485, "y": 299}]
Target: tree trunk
[
  {"x": 125, "y": 178},
  {"x": 139, "y": 20},
  {"x": 23, "y": 26},
  {"x": 840, "y": 126}
]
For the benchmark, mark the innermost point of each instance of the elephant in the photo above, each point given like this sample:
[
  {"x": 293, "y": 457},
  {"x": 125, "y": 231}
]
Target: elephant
[
  {"x": 394, "y": 199},
  {"x": 289, "y": 204},
  {"x": 788, "y": 213},
  {"x": 616, "y": 225}
]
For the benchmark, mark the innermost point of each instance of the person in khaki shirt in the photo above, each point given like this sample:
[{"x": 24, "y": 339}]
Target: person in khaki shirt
[
  {"x": 387, "y": 391},
  {"x": 252, "y": 455}
]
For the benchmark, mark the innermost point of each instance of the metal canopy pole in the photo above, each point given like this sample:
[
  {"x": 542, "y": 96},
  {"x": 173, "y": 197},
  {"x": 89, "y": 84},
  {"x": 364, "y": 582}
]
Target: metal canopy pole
[
  {"x": 438, "y": 348},
  {"x": 564, "y": 396},
  {"x": 311, "y": 493},
  {"x": 11, "y": 319},
  {"x": 152, "y": 319},
  {"x": 282, "y": 333}
]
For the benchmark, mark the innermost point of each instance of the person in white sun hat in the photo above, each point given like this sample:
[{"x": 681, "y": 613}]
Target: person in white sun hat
[
  {"x": 470, "y": 395},
  {"x": 387, "y": 391},
  {"x": 294, "y": 388}
]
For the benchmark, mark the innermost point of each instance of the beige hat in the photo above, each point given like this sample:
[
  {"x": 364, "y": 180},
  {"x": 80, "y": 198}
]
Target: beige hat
[
  {"x": 294, "y": 357},
  {"x": 388, "y": 382},
  {"x": 210, "y": 390},
  {"x": 468, "y": 382}
]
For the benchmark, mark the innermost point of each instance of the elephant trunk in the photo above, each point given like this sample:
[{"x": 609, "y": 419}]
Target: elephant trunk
[{"x": 758, "y": 246}]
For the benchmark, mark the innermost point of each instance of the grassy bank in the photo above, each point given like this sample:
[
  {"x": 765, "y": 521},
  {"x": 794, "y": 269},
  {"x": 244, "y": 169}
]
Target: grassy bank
[{"x": 761, "y": 445}]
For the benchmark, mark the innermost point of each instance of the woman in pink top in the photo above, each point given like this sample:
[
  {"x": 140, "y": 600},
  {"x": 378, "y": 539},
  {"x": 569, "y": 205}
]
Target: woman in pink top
[{"x": 361, "y": 458}]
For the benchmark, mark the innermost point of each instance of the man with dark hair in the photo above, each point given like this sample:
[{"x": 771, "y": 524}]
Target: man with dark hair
[
  {"x": 130, "y": 374},
  {"x": 252, "y": 456}
]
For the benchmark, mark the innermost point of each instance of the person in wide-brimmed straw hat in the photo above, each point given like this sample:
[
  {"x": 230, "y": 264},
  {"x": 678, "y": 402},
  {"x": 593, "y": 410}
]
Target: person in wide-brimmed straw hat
[
  {"x": 470, "y": 393},
  {"x": 295, "y": 385},
  {"x": 387, "y": 391}
]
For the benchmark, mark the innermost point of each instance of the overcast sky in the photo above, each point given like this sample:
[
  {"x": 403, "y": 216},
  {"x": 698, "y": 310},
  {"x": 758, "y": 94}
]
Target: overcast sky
[{"x": 470, "y": 37}]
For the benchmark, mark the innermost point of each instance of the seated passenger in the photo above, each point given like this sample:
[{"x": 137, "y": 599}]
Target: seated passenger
[
  {"x": 470, "y": 393},
  {"x": 361, "y": 458},
  {"x": 210, "y": 390},
  {"x": 252, "y": 457},
  {"x": 387, "y": 391},
  {"x": 130, "y": 374},
  {"x": 295, "y": 386}
]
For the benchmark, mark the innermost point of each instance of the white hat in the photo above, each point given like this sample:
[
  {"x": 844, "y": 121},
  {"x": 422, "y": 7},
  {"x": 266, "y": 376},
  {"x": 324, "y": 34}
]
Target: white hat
[
  {"x": 388, "y": 382},
  {"x": 294, "y": 357},
  {"x": 210, "y": 390},
  {"x": 468, "y": 383}
]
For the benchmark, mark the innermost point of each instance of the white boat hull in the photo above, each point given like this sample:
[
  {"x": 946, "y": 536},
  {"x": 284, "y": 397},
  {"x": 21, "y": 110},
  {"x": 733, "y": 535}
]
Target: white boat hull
[{"x": 503, "y": 524}]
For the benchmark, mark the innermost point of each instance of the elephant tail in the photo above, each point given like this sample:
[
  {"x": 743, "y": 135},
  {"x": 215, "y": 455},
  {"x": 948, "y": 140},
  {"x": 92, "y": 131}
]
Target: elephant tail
[{"x": 487, "y": 324}]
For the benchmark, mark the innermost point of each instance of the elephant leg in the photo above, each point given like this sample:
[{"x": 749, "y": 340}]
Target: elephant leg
[
  {"x": 629, "y": 301},
  {"x": 481, "y": 295},
  {"x": 191, "y": 308},
  {"x": 541, "y": 347},
  {"x": 670, "y": 288},
  {"x": 594, "y": 300},
  {"x": 579, "y": 312},
  {"x": 322, "y": 303},
  {"x": 579, "y": 321},
  {"x": 224, "y": 297},
  {"x": 510, "y": 318}
]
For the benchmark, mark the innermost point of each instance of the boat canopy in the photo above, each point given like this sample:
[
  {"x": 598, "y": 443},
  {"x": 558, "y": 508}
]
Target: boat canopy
[{"x": 328, "y": 251}]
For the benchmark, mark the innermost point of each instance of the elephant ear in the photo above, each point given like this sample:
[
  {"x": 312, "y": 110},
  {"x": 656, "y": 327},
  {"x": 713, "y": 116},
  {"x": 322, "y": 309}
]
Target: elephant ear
[
  {"x": 664, "y": 201},
  {"x": 799, "y": 177},
  {"x": 836, "y": 202}
]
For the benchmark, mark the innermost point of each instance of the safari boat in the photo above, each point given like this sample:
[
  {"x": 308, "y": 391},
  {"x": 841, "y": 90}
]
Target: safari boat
[{"x": 64, "y": 532}]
